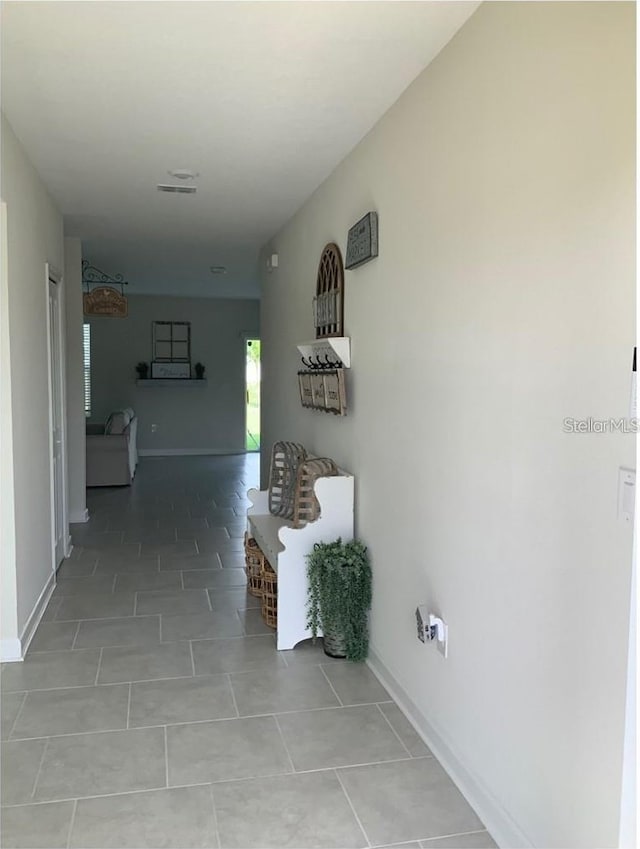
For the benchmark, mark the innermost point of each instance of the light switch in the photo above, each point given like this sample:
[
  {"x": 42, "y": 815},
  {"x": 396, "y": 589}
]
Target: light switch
[{"x": 626, "y": 495}]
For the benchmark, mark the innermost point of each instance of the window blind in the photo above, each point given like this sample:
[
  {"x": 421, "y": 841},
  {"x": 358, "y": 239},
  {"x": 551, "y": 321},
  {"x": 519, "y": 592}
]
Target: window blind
[{"x": 86, "y": 347}]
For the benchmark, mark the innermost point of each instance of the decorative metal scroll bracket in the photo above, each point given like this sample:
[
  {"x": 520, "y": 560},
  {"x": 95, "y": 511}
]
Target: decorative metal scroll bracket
[{"x": 92, "y": 276}]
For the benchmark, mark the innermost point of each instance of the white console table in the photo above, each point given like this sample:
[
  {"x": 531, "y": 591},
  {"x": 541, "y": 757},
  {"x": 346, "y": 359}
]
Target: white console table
[{"x": 286, "y": 547}]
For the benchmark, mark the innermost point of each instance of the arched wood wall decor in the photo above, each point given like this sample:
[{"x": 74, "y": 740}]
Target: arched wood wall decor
[{"x": 328, "y": 304}]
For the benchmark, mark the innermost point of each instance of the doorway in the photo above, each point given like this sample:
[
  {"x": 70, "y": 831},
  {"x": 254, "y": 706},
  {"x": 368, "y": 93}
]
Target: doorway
[
  {"x": 252, "y": 395},
  {"x": 56, "y": 419}
]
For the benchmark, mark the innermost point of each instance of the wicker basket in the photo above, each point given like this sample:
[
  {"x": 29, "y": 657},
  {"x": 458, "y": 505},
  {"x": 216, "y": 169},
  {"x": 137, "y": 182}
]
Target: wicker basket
[
  {"x": 306, "y": 505},
  {"x": 254, "y": 559},
  {"x": 269, "y": 595},
  {"x": 285, "y": 460}
]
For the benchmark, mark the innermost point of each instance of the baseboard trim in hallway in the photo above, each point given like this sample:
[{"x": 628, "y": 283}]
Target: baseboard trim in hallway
[
  {"x": 10, "y": 651},
  {"x": 188, "y": 452},
  {"x": 80, "y": 517},
  {"x": 14, "y": 650},
  {"x": 496, "y": 820}
]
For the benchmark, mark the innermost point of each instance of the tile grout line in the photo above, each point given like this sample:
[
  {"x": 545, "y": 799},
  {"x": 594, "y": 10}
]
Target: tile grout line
[
  {"x": 348, "y": 798},
  {"x": 394, "y": 845},
  {"x": 457, "y": 834},
  {"x": 209, "y": 721},
  {"x": 75, "y": 636},
  {"x": 340, "y": 702},
  {"x": 95, "y": 683},
  {"x": 13, "y": 725},
  {"x": 103, "y": 795},
  {"x": 129, "y": 704},
  {"x": 166, "y": 757},
  {"x": 284, "y": 743},
  {"x": 244, "y": 630},
  {"x": 38, "y": 802},
  {"x": 35, "y": 783},
  {"x": 72, "y": 822},
  {"x": 182, "y": 586},
  {"x": 135, "y": 603},
  {"x": 388, "y": 721},
  {"x": 215, "y": 815},
  {"x": 233, "y": 695},
  {"x": 193, "y": 663}
]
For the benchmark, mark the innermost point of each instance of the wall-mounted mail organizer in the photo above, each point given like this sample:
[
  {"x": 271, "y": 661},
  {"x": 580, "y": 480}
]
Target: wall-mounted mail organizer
[
  {"x": 322, "y": 381},
  {"x": 323, "y": 389}
]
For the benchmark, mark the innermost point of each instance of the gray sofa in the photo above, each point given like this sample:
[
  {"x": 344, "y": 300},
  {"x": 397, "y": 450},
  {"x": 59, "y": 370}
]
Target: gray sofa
[{"x": 112, "y": 454}]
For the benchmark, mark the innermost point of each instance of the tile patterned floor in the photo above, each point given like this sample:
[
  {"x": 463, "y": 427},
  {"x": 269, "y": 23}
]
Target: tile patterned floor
[{"x": 153, "y": 709}]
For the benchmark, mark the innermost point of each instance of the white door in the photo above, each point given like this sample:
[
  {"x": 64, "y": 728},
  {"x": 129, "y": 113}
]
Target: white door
[{"x": 57, "y": 421}]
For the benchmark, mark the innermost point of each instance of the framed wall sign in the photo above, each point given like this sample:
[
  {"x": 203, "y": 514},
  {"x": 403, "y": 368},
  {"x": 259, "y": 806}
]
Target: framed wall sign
[
  {"x": 101, "y": 295},
  {"x": 317, "y": 388},
  {"x": 362, "y": 241},
  {"x": 334, "y": 392},
  {"x": 106, "y": 301},
  {"x": 306, "y": 393},
  {"x": 168, "y": 371}
]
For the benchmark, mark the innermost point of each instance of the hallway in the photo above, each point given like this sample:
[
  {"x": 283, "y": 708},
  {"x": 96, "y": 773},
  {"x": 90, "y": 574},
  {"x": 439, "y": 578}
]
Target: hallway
[{"x": 153, "y": 709}]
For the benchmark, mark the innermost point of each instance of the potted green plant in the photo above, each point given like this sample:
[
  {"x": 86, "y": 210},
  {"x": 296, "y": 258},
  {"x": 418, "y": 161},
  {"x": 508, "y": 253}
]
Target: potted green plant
[
  {"x": 339, "y": 597},
  {"x": 143, "y": 370}
]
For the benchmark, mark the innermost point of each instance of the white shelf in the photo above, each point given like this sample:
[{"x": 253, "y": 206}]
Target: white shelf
[
  {"x": 172, "y": 381},
  {"x": 333, "y": 347}
]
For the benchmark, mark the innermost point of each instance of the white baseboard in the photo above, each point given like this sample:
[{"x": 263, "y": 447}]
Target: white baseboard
[
  {"x": 496, "y": 820},
  {"x": 10, "y": 651},
  {"x": 185, "y": 452},
  {"x": 80, "y": 516},
  {"x": 68, "y": 546},
  {"x": 15, "y": 650}
]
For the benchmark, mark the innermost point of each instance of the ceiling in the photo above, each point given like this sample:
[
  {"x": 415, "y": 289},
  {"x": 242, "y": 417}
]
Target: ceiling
[{"x": 262, "y": 99}]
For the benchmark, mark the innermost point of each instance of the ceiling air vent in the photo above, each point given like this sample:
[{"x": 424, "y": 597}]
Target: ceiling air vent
[{"x": 178, "y": 190}]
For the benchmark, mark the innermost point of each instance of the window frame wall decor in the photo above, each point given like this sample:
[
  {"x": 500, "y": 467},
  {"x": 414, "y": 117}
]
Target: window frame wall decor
[{"x": 165, "y": 333}]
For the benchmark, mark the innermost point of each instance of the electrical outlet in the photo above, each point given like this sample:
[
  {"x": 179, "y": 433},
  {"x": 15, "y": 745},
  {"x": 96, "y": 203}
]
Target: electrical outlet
[
  {"x": 626, "y": 495},
  {"x": 422, "y": 624},
  {"x": 443, "y": 644},
  {"x": 154, "y": 428},
  {"x": 440, "y": 631}
]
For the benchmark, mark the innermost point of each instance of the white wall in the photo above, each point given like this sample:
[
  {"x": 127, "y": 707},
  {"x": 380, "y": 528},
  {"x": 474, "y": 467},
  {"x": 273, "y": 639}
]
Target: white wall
[
  {"x": 9, "y": 643},
  {"x": 502, "y": 301},
  {"x": 34, "y": 237},
  {"x": 208, "y": 417},
  {"x": 76, "y": 456}
]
